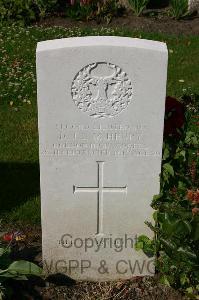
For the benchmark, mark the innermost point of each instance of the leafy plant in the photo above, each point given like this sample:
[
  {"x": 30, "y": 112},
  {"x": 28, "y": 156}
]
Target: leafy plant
[
  {"x": 176, "y": 219},
  {"x": 20, "y": 10},
  {"x": 94, "y": 9},
  {"x": 179, "y": 8},
  {"x": 25, "y": 11},
  {"x": 79, "y": 11},
  {"x": 138, "y": 6},
  {"x": 44, "y": 6},
  {"x": 15, "y": 270}
]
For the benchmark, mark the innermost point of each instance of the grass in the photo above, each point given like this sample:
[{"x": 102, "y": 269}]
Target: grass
[
  {"x": 19, "y": 166},
  {"x": 27, "y": 213}
]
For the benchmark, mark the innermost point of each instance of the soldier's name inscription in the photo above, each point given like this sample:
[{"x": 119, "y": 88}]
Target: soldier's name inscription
[{"x": 111, "y": 140}]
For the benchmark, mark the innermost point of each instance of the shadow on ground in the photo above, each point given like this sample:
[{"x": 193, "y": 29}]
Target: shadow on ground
[{"x": 18, "y": 182}]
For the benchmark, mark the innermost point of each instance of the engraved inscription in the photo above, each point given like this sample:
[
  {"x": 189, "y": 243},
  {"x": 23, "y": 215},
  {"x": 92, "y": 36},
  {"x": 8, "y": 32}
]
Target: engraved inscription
[
  {"x": 100, "y": 190},
  {"x": 115, "y": 140},
  {"x": 102, "y": 90}
]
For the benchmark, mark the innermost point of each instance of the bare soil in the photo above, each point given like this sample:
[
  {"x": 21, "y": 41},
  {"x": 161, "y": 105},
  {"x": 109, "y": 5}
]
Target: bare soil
[
  {"x": 156, "y": 21},
  {"x": 134, "y": 289}
]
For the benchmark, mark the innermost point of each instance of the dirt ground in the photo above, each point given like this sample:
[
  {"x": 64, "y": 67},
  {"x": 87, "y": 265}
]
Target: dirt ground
[
  {"x": 135, "y": 289},
  {"x": 153, "y": 21}
]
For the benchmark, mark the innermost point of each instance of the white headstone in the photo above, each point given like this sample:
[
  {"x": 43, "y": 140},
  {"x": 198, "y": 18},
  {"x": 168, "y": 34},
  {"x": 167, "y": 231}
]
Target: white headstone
[{"x": 101, "y": 107}]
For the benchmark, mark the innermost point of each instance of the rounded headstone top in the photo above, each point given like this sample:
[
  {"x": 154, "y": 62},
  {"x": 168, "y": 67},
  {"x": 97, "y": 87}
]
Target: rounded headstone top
[{"x": 103, "y": 41}]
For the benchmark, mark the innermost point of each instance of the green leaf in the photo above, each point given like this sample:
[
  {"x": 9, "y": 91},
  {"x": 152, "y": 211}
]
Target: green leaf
[
  {"x": 155, "y": 216},
  {"x": 181, "y": 228},
  {"x": 23, "y": 267},
  {"x": 21, "y": 277},
  {"x": 173, "y": 224},
  {"x": 188, "y": 226},
  {"x": 181, "y": 185},
  {"x": 6, "y": 274},
  {"x": 162, "y": 217},
  {"x": 168, "y": 168},
  {"x": 183, "y": 279},
  {"x": 164, "y": 280},
  {"x": 167, "y": 171},
  {"x": 167, "y": 243},
  {"x": 165, "y": 153},
  {"x": 187, "y": 253},
  {"x": 180, "y": 153},
  {"x": 156, "y": 199},
  {"x": 139, "y": 246},
  {"x": 191, "y": 138},
  {"x": 189, "y": 290},
  {"x": 146, "y": 245}
]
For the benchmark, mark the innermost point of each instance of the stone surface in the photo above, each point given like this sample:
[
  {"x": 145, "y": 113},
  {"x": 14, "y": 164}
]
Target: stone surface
[
  {"x": 101, "y": 109},
  {"x": 193, "y": 5}
]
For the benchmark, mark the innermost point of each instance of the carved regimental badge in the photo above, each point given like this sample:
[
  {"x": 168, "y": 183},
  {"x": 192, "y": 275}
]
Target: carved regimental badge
[{"x": 102, "y": 90}]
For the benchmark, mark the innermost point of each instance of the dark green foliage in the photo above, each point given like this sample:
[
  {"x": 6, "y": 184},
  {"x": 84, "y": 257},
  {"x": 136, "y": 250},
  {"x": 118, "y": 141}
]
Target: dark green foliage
[
  {"x": 25, "y": 11},
  {"x": 138, "y": 6},
  {"x": 14, "y": 270},
  {"x": 176, "y": 217},
  {"x": 95, "y": 9},
  {"x": 179, "y": 8}
]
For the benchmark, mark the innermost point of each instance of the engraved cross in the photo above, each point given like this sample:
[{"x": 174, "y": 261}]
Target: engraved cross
[{"x": 100, "y": 190}]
